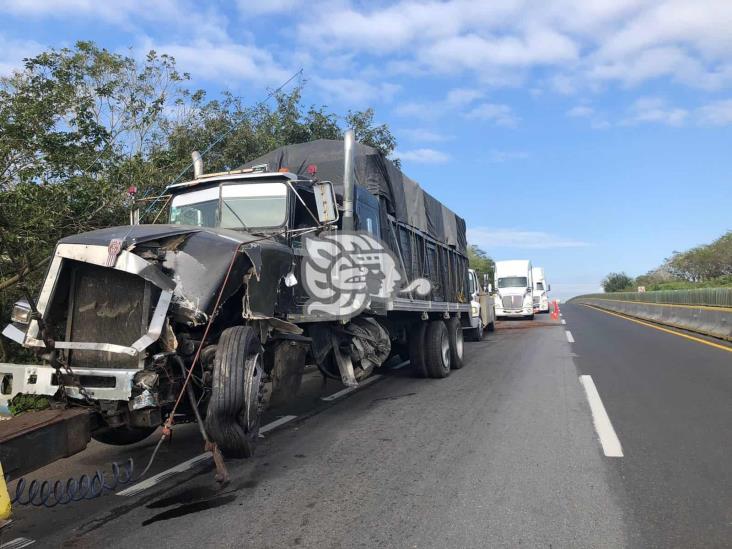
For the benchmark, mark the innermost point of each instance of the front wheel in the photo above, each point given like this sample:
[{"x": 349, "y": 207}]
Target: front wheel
[{"x": 237, "y": 390}]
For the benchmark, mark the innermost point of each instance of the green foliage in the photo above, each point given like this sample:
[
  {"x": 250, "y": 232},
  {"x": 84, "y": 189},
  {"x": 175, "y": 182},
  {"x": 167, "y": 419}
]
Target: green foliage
[
  {"x": 28, "y": 403},
  {"x": 79, "y": 126},
  {"x": 481, "y": 263},
  {"x": 617, "y": 282}
]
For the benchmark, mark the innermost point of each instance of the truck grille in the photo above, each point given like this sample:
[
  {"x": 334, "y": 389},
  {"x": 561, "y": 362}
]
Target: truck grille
[
  {"x": 106, "y": 306},
  {"x": 512, "y": 301},
  {"x": 537, "y": 300}
]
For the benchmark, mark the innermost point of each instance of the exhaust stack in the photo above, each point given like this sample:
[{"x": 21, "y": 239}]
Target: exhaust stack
[
  {"x": 197, "y": 164},
  {"x": 349, "y": 140}
]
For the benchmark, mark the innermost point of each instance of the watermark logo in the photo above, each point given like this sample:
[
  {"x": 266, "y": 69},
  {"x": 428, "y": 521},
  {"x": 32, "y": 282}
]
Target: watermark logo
[{"x": 344, "y": 272}]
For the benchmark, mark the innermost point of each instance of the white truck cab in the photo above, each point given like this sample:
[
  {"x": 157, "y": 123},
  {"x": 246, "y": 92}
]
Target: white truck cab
[
  {"x": 541, "y": 289},
  {"x": 482, "y": 312},
  {"x": 514, "y": 289}
]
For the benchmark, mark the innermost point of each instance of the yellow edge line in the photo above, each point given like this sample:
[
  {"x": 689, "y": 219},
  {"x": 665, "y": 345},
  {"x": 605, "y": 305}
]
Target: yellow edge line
[
  {"x": 692, "y": 338},
  {"x": 705, "y": 307}
]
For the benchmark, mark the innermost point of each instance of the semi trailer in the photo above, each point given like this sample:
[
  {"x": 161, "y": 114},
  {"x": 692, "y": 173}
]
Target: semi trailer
[
  {"x": 514, "y": 289},
  {"x": 540, "y": 290},
  {"x": 322, "y": 252}
]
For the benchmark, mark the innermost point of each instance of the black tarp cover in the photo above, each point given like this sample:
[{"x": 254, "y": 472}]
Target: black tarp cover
[{"x": 404, "y": 198}]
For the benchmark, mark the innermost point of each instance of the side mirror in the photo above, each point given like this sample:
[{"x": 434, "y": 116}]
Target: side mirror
[
  {"x": 325, "y": 201},
  {"x": 548, "y": 287}
]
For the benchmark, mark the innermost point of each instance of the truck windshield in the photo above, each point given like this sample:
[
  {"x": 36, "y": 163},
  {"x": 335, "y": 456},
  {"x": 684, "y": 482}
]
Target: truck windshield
[
  {"x": 232, "y": 206},
  {"x": 512, "y": 282}
]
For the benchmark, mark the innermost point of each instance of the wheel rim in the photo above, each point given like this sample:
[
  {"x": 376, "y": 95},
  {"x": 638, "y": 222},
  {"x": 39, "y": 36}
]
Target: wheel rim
[
  {"x": 459, "y": 341},
  {"x": 250, "y": 415},
  {"x": 445, "y": 347}
]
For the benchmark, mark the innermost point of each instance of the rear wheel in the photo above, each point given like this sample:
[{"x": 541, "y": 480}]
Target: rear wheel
[
  {"x": 455, "y": 336},
  {"x": 416, "y": 348},
  {"x": 437, "y": 350},
  {"x": 121, "y": 436},
  {"x": 234, "y": 411},
  {"x": 491, "y": 326}
]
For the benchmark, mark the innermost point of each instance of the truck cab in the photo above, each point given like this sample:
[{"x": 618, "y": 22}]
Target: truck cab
[
  {"x": 541, "y": 290},
  {"x": 482, "y": 311},
  {"x": 514, "y": 289}
]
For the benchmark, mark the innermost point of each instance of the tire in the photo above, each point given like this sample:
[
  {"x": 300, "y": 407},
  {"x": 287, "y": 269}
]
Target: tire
[
  {"x": 491, "y": 326},
  {"x": 237, "y": 390},
  {"x": 531, "y": 316},
  {"x": 416, "y": 348},
  {"x": 437, "y": 350},
  {"x": 121, "y": 436},
  {"x": 475, "y": 334},
  {"x": 455, "y": 336}
]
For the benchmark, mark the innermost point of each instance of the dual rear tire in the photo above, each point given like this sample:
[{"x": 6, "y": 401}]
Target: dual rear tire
[{"x": 436, "y": 347}]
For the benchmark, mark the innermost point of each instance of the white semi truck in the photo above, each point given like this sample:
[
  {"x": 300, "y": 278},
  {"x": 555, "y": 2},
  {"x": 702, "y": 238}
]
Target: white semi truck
[
  {"x": 541, "y": 289},
  {"x": 514, "y": 289}
]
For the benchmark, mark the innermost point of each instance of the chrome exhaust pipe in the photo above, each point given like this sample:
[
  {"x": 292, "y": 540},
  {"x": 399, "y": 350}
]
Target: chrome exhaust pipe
[
  {"x": 349, "y": 141},
  {"x": 197, "y": 164}
]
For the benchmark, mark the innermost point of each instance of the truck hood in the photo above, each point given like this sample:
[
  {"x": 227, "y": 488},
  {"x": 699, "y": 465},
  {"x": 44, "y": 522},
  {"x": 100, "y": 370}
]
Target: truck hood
[{"x": 197, "y": 260}]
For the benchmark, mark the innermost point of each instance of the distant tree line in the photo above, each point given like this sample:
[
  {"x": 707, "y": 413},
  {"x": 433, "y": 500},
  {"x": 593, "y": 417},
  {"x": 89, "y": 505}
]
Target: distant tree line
[
  {"x": 479, "y": 260},
  {"x": 708, "y": 265},
  {"x": 80, "y": 126}
]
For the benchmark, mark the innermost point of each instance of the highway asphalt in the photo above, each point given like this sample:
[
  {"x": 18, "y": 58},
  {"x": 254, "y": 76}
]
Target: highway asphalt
[{"x": 508, "y": 451}]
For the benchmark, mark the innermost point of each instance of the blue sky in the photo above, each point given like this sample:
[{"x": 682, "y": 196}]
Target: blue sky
[{"x": 588, "y": 136}]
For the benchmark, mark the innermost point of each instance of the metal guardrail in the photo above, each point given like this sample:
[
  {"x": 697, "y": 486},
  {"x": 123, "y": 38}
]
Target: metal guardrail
[{"x": 709, "y": 297}]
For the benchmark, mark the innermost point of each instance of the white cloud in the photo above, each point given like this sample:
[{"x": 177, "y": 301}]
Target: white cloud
[
  {"x": 354, "y": 92},
  {"x": 267, "y": 7},
  {"x": 718, "y": 113},
  {"x": 122, "y": 13},
  {"x": 421, "y": 134},
  {"x": 489, "y": 238},
  {"x": 496, "y": 157},
  {"x": 224, "y": 61},
  {"x": 581, "y": 111},
  {"x": 423, "y": 156},
  {"x": 12, "y": 53},
  {"x": 501, "y": 115},
  {"x": 655, "y": 110},
  {"x": 455, "y": 99}
]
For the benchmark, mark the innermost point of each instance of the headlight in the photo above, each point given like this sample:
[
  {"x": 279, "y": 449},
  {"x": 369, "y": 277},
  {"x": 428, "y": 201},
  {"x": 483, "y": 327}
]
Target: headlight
[
  {"x": 21, "y": 313},
  {"x": 474, "y": 309}
]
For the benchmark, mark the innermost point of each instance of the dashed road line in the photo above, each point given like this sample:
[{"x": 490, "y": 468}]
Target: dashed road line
[
  {"x": 198, "y": 461},
  {"x": 17, "y": 543},
  {"x": 603, "y": 426},
  {"x": 348, "y": 390},
  {"x": 569, "y": 335},
  {"x": 564, "y": 321}
]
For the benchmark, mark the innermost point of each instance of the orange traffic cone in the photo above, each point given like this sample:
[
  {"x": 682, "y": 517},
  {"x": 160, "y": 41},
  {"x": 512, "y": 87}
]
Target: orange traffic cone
[{"x": 555, "y": 312}]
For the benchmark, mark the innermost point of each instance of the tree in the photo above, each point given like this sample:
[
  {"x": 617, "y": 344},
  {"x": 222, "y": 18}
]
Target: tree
[
  {"x": 617, "y": 282},
  {"x": 79, "y": 126},
  {"x": 481, "y": 262}
]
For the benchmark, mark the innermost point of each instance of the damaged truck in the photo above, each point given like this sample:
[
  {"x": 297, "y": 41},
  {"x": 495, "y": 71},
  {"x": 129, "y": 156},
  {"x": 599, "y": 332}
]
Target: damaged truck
[{"x": 218, "y": 295}]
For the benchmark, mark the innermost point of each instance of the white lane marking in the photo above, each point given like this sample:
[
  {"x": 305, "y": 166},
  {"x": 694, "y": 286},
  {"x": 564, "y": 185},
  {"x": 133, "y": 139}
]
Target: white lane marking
[
  {"x": 603, "y": 426},
  {"x": 276, "y": 423},
  {"x": 17, "y": 543},
  {"x": 347, "y": 390},
  {"x": 187, "y": 465},
  {"x": 564, "y": 321},
  {"x": 570, "y": 337}
]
